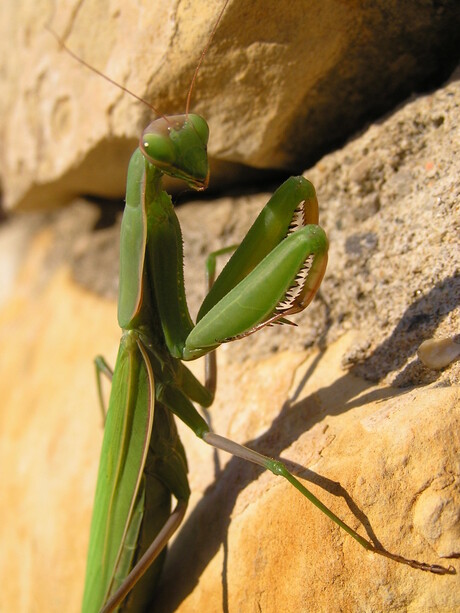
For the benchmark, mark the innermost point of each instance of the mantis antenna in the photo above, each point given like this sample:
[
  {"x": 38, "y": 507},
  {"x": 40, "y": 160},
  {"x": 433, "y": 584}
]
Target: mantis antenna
[
  {"x": 128, "y": 91},
  {"x": 202, "y": 56},
  {"x": 100, "y": 73}
]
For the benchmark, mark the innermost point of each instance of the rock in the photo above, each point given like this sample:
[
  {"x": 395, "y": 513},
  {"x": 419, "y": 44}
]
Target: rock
[
  {"x": 437, "y": 354},
  {"x": 51, "y": 431},
  {"x": 281, "y": 84},
  {"x": 390, "y": 204},
  {"x": 252, "y": 543},
  {"x": 383, "y": 459}
]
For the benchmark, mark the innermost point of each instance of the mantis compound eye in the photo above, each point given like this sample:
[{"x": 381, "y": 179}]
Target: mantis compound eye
[
  {"x": 201, "y": 128},
  {"x": 176, "y": 145},
  {"x": 158, "y": 149},
  {"x": 155, "y": 143}
]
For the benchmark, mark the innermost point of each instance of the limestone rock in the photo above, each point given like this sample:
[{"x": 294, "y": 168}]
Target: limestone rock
[
  {"x": 383, "y": 459},
  {"x": 282, "y": 83},
  {"x": 386, "y": 462},
  {"x": 50, "y": 431}
]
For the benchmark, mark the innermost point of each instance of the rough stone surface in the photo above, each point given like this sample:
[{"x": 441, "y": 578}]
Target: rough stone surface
[
  {"x": 252, "y": 543},
  {"x": 391, "y": 205},
  {"x": 385, "y": 460},
  {"x": 50, "y": 432},
  {"x": 282, "y": 82}
]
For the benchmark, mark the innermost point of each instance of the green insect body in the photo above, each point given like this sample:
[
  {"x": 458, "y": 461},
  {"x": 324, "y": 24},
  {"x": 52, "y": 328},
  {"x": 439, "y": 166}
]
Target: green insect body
[{"x": 142, "y": 460}]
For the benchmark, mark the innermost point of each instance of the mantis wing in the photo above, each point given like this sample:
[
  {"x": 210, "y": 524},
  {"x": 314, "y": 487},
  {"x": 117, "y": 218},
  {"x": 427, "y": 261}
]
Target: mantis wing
[{"x": 124, "y": 450}]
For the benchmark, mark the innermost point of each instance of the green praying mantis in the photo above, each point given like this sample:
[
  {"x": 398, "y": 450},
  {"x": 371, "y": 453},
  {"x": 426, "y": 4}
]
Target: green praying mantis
[{"x": 274, "y": 273}]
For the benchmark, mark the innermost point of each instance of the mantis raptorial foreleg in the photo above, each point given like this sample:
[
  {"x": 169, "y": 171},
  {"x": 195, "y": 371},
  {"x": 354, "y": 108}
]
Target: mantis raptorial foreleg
[{"x": 145, "y": 562}]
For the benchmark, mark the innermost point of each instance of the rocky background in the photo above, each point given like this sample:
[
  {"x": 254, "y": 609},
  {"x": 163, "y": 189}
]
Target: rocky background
[{"x": 363, "y": 98}]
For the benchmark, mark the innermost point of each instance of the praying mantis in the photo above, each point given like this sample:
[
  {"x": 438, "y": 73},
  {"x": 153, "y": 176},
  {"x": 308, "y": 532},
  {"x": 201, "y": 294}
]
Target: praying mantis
[{"x": 274, "y": 273}]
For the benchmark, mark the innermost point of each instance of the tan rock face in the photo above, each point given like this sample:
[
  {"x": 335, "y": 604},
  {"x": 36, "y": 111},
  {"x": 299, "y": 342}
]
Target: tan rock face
[
  {"x": 386, "y": 461},
  {"x": 252, "y": 543},
  {"x": 51, "y": 432},
  {"x": 282, "y": 82}
]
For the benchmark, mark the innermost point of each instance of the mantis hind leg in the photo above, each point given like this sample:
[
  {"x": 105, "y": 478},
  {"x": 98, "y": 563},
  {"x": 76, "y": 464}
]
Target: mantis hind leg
[
  {"x": 102, "y": 368},
  {"x": 153, "y": 551},
  {"x": 210, "y": 364},
  {"x": 278, "y": 468}
]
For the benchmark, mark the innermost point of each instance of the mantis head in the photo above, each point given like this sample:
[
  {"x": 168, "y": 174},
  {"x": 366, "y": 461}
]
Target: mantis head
[{"x": 177, "y": 146}]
